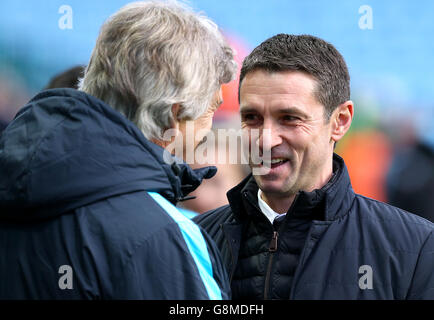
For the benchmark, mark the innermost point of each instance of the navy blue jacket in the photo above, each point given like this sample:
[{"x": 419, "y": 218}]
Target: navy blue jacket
[
  {"x": 355, "y": 248},
  {"x": 87, "y": 209}
]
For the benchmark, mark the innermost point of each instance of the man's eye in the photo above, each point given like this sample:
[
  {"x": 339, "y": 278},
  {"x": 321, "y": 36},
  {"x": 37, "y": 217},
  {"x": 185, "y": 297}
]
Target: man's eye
[
  {"x": 289, "y": 118},
  {"x": 250, "y": 117}
]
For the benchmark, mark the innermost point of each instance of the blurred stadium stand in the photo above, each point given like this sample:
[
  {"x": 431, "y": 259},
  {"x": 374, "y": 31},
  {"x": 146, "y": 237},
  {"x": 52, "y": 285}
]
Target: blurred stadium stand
[{"x": 391, "y": 64}]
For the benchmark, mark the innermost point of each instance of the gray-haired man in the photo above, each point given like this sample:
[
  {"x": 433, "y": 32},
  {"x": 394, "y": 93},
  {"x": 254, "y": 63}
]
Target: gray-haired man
[{"x": 86, "y": 198}]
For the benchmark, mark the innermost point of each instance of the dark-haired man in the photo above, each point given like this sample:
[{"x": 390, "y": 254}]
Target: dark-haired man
[{"x": 299, "y": 231}]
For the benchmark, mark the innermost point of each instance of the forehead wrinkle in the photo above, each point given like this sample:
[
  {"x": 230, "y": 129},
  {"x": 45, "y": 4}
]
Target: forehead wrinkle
[
  {"x": 281, "y": 105},
  {"x": 254, "y": 78},
  {"x": 279, "y": 93},
  {"x": 279, "y": 110}
]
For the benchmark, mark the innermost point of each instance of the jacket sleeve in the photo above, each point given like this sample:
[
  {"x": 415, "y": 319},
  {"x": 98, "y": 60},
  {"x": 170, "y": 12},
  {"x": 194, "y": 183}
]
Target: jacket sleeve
[
  {"x": 176, "y": 261},
  {"x": 219, "y": 271},
  {"x": 164, "y": 267},
  {"x": 422, "y": 286}
]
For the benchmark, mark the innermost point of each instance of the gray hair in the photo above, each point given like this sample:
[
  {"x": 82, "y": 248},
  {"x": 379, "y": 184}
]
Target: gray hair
[{"x": 151, "y": 55}]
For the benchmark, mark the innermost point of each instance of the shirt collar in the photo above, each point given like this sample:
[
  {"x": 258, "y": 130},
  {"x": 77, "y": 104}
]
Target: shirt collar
[{"x": 265, "y": 208}]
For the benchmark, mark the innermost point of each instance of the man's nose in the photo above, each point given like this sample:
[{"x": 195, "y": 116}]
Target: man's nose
[{"x": 269, "y": 136}]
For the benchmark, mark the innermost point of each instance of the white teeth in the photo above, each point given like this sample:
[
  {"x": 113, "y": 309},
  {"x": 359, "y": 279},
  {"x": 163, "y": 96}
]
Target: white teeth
[
  {"x": 274, "y": 161},
  {"x": 270, "y": 162}
]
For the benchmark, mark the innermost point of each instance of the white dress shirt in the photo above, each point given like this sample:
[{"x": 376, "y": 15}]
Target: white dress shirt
[{"x": 266, "y": 210}]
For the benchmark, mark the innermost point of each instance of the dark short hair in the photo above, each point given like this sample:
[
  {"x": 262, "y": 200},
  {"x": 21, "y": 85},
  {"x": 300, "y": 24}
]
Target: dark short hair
[
  {"x": 67, "y": 79},
  {"x": 305, "y": 53}
]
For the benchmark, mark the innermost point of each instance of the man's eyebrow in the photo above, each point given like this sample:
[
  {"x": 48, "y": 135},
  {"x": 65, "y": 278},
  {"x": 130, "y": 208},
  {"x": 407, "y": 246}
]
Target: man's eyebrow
[
  {"x": 247, "y": 109},
  {"x": 293, "y": 111}
]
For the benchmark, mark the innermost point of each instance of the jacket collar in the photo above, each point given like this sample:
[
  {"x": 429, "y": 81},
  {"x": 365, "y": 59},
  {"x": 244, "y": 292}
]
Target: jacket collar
[
  {"x": 328, "y": 203},
  {"x": 184, "y": 180}
]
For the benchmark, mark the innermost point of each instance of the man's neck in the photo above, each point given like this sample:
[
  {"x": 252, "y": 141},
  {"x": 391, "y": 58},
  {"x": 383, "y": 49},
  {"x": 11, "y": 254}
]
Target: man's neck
[{"x": 278, "y": 204}]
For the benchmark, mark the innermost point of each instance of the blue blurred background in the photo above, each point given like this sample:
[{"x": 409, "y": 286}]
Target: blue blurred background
[{"x": 390, "y": 63}]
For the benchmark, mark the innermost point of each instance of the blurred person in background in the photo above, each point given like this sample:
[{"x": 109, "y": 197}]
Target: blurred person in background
[
  {"x": 87, "y": 199},
  {"x": 67, "y": 79},
  {"x": 410, "y": 178},
  {"x": 3, "y": 124},
  {"x": 211, "y": 193},
  {"x": 13, "y": 94},
  {"x": 299, "y": 231}
]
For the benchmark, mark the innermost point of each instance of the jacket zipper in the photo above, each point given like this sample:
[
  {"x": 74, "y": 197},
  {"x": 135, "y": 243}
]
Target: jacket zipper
[{"x": 272, "y": 249}]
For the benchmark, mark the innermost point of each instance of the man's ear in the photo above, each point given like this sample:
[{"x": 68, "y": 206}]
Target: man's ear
[
  {"x": 174, "y": 125},
  {"x": 176, "y": 107},
  {"x": 341, "y": 120}
]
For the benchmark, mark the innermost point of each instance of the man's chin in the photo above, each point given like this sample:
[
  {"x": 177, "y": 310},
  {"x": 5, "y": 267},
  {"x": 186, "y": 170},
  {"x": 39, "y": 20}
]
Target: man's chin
[{"x": 270, "y": 186}]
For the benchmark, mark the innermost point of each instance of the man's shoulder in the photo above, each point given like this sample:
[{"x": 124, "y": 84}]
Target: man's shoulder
[
  {"x": 392, "y": 220},
  {"x": 379, "y": 208},
  {"x": 129, "y": 219}
]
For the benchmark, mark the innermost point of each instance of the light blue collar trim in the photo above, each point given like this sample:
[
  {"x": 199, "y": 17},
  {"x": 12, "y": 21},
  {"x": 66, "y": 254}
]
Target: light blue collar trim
[{"x": 196, "y": 245}]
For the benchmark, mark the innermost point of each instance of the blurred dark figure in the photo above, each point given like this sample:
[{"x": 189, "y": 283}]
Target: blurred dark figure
[
  {"x": 2, "y": 125},
  {"x": 410, "y": 180},
  {"x": 13, "y": 94},
  {"x": 67, "y": 79}
]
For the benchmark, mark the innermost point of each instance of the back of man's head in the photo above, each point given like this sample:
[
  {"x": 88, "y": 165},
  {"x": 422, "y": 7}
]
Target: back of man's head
[
  {"x": 305, "y": 53},
  {"x": 67, "y": 79},
  {"x": 151, "y": 55}
]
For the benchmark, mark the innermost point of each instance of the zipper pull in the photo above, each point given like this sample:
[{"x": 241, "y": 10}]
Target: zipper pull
[{"x": 273, "y": 242}]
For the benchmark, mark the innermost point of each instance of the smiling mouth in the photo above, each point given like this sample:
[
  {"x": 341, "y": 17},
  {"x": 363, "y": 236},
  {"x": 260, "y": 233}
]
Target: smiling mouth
[{"x": 275, "y": 162}]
